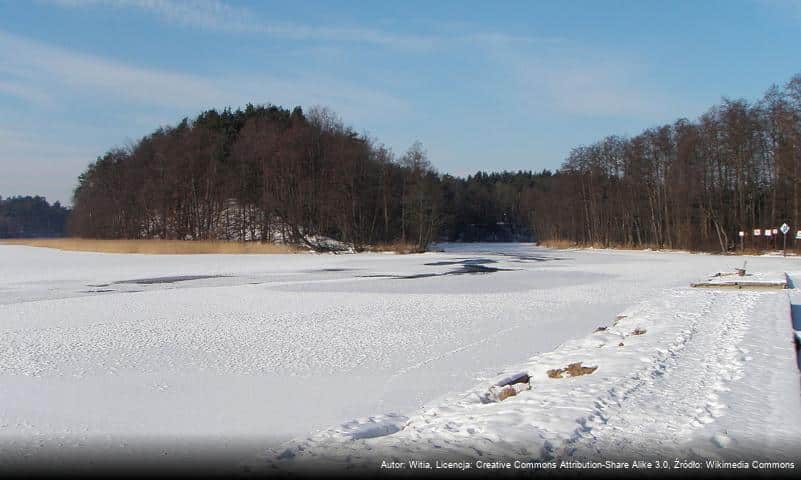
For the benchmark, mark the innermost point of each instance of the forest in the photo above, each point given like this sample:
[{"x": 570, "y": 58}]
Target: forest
[
  {"x": 689, "y": 185},
  {"x": 269, "y": 174},
  {"x": 28, "y": 217},
  {"x": 265, "y": 173},
  {"x": 262, "y": 173}
]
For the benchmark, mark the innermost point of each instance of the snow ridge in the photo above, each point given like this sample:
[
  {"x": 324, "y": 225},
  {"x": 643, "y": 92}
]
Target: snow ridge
[
  {"x": 663, "y": 370},
  {"x": 679, "y": 392}
]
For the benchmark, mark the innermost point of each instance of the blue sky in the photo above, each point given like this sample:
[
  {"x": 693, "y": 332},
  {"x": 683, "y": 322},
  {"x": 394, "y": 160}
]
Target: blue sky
[{"x": 484, "y": 85}]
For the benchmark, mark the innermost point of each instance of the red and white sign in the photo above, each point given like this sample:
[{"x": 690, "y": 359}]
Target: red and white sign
[
  {"x": 768, "y": 232},
  {"x": 757, "y": 232},
  {"x": 742, "y": 233},
  {"x": 775, "y": 231}
]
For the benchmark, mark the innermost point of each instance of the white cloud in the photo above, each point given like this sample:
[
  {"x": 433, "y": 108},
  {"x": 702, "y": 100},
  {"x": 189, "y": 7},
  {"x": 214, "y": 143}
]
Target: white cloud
[
  {"x": 598, "y": 90},
  {"x": 44, "y": 64},
  {"x": 209, "y": 14},
  {"x": 48, "y": 68},
  {"x": 583, "y": 83},
  {"x": 216, "y": 15},
  {"x": 23, "y": 91}
]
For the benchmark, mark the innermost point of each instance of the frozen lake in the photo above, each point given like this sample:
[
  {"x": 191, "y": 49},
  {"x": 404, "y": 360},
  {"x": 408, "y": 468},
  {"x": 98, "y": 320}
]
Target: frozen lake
[{"x": 121, "y": 353}]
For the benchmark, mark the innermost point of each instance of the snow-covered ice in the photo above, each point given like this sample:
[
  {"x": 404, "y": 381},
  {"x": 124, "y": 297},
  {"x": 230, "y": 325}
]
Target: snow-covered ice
[{"x": 281, "y": 358}]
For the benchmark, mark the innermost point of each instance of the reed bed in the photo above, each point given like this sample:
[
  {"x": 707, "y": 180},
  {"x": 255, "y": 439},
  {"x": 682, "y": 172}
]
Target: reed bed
[{"x": 153, "y": 247}]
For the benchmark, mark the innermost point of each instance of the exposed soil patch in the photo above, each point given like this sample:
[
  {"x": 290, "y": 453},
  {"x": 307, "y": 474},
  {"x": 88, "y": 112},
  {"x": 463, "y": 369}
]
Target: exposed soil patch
[
  {"x": 506, "y": 392},
  {"x": 572, "y": 370},
  {"x": 511, "y": 386},
  {"x": 639, "y": 331}
]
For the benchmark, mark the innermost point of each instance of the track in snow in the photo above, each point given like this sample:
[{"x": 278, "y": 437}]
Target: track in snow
[{"x": 711, "y": 377}]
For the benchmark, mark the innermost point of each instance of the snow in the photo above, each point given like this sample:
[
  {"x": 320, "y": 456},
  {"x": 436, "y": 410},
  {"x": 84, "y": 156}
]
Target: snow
[
  {"x": 273, "y": 360},
  {"x": 750, "y": 279},
  {"x": 699, "y": 382}
]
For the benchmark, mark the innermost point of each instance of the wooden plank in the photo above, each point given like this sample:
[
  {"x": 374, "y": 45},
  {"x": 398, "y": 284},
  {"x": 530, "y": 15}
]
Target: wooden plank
[
  {"x": 739, "y": 284},
  {"x": 776, "y": 286}
]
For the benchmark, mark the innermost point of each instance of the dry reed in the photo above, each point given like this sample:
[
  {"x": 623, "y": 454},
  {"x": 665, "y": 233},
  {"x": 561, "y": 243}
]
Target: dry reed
[{"x": 153, "y": 247}]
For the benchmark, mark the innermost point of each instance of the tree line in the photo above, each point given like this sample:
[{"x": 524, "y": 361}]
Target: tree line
[
  {"x": 689, "y": 184},
  {"x": 266, "y": 173},
  {"x": 27, "y": 217},
  {"x": 262, "y": 173}
]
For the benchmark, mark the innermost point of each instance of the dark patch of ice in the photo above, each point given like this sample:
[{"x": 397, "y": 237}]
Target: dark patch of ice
[
  {"x": 532, "y": 258},
  {"x": 466, "y": 269},
  {"x": 467, "y": 261},
  {"x": 172, "y": 279}
]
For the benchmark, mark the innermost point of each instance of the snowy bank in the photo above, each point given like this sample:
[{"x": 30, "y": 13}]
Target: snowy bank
[{"x": 692, "y": 374}]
